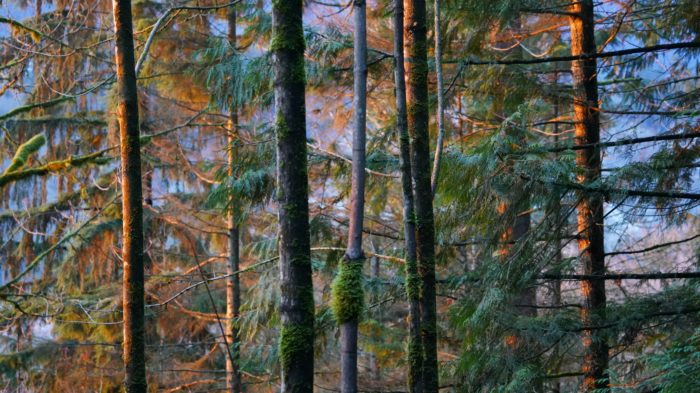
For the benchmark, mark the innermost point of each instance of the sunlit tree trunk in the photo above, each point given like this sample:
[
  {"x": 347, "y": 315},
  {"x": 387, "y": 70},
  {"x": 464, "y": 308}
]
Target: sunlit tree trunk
[
  {"x": 233, "y": 286},
  {"x": 296, "y": 302},
  {"x": 415, "y": 35},
  {"x": 354, "y": 254},
  {"x": 132, "y": 208},
  {"x": 440, "y": 115},
  {"x": 415, "y": 345},
  {"x": 590, "y": 208}
]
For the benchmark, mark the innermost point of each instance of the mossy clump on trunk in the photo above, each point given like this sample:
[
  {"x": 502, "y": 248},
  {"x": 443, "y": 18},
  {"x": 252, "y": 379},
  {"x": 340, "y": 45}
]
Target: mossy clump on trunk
[{"x": 347, "y": 297}]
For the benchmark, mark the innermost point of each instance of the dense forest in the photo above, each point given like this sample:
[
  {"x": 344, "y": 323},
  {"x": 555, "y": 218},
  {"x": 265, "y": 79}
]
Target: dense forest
[{"x": 400, "y": 196}]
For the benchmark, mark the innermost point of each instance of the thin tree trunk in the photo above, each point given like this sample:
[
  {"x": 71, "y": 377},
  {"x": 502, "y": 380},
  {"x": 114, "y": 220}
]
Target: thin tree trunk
[
  {"x": 415, "y": 345},
  {"x": 132, "y": 208},
  {"x": 296, "y": 301},
  {"x": 556, "y": 284},
  {"x": 590, "y": 209},
  {"x": 415, "y": 33},
  {"x": 233, "y": 286},
  {"x": 440, "y": 100},
  {"x": 354, "y": 254}
]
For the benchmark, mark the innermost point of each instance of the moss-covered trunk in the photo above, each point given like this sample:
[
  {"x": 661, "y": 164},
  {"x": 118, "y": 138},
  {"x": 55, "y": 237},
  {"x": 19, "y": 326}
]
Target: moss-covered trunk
[
  {"x": 415, "y": 346},
  {"x": 590, "y": 209},
  {"x": 415, "y": 35},
  {"x": 297, "y": 301},
  {"x": 354, "y": 254},
  {"x": 132, "y": 209}
]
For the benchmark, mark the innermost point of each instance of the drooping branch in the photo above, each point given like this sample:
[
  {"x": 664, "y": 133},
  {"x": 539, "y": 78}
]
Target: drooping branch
[
  {"x": 619, "y": 276},
  {"x": 585, "y": 56}
]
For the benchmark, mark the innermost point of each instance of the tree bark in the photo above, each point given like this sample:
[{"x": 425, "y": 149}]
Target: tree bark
[
  {"x": 233, "y": 286},
  {"x": 297, "y": 302},
  {"x": 440, "y": 100},
  {"x": 132, "y": 208},
  {"x": 415, "y": 33},
  {"x": 590, "y": 209},
  {"x": 415, "y": 346},
  {"x": 354, "y": 254}
]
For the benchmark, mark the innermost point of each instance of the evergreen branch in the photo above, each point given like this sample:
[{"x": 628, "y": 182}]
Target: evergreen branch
[
  {"x": 619, "y": 276},
  {"x": 330, "y": 154},
  {"x": 585, "y": 56},
  {"x": 163, "y": 18},
  {"x": 619, "y": 191},
  {"x": 34, "y": 263},
  {"x": 55, "y": 101},
  {"x": 621, "y": 142},
  {"x": 652, "y": 248}
]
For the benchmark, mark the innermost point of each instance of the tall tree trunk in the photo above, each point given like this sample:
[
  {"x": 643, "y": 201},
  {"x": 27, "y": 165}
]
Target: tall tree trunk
[
  {"x": 297, "y": 302},
  {"x": 440, "y": 100},
  {"x": 354, "y": 254},
  {"x": 590, "y": 209},
  {"x": 233, "y": 286},
  {"x": 132, "y": 208},
  {"x": 415, "y": 33},
  {"x": 415, "y": 345},
  {"x": 556, "y": 284}
]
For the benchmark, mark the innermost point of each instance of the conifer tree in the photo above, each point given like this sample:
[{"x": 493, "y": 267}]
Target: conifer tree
[
  {"x": 132, "y": 209},
  {"x": 233, "y": 284},
  {"x": 590, "y": 208},
  {"x": 415, "y": 35},
  {"x": 347, "y": 290},
  {"x": 297, "y": 300},
  {"x": 414, "y": 373}
]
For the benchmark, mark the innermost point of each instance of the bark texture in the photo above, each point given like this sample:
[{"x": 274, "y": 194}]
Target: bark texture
[
  {"x": 297, "y": 301},
  {"x": 440, "y": 99},
  {"x": 590, "y": 209},
  {"x": 233, "y": 286},
  {"x": 354, "y": 254},
  {"x": 415, "y": 35},
  {"x": 134, "y": 355},
  {"x": 413, "y": 284}
]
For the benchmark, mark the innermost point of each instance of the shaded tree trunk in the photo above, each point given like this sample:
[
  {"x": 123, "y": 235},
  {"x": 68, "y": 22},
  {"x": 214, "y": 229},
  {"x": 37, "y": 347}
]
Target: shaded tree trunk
[
  {"x": 132, "y": 208},
  {"x": 590, "y": 209},
  {"x": 556, "y": 284},
  {"x": 415, "y": 33},
  {"x": 297, "y": 302},
  {"x": 354, "y": 254},
  {"x": 233, "y": 285},
  {"x": 415, "y": 345}
]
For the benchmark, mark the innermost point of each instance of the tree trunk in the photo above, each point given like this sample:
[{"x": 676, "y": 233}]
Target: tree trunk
[
  {"x": 590, "y": 209},
  {"x": 297, "y": 302},
  {"x": 132, "y": 208},
  {"x": 354, "y": 254},
  {"x": 233, "y": 286},
  {"x": 415, "y": 33},
  {"x": 440, "y": 100},
  {"x": 556, "y": 284},
  {"x": 415, "y": 345}
]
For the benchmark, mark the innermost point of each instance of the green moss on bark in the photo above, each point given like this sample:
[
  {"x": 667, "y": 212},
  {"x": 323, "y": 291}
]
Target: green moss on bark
[
  {"x": 348, "y": 299},
  {"x": 295, "y": 341},
  {"x": 24, "y": 151}
]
